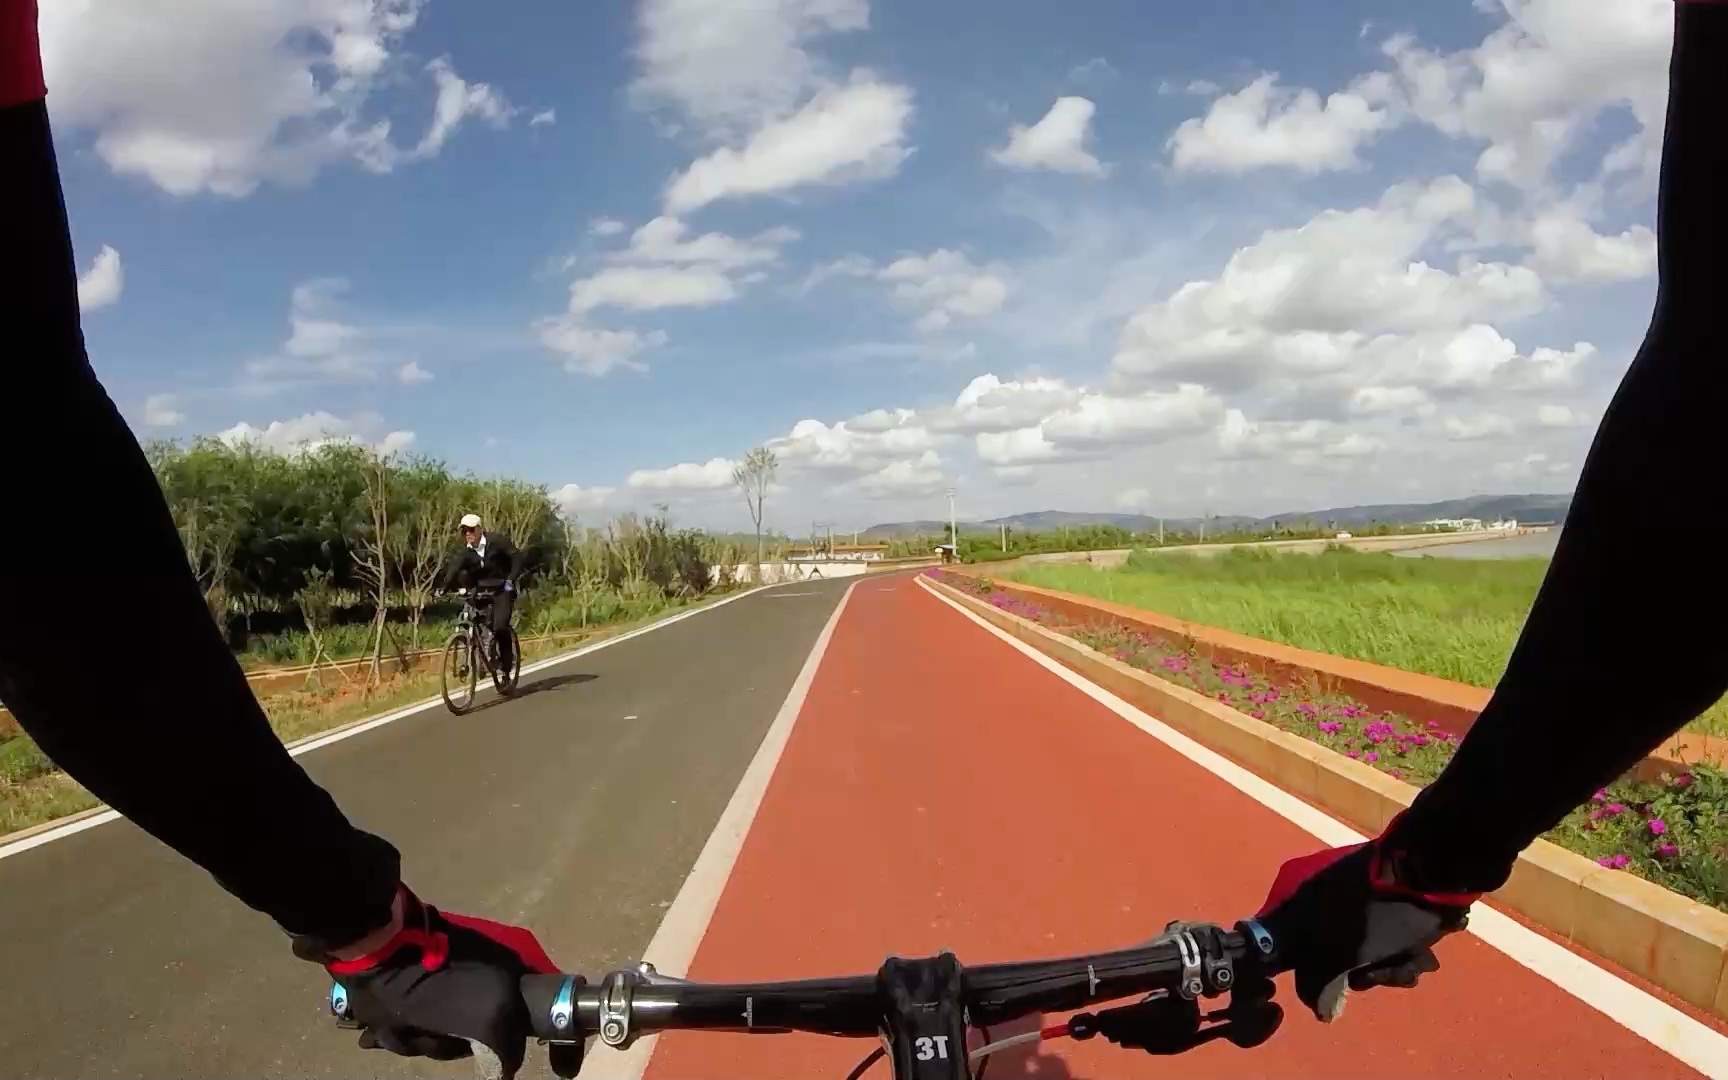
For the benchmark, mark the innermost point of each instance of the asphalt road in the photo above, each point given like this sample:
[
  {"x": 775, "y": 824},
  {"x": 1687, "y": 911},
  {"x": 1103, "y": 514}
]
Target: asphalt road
[{"x": 576, "y": 809}]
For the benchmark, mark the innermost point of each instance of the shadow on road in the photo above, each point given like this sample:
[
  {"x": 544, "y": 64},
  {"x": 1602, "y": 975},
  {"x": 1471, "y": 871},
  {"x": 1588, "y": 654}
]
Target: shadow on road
[{"x": 539, "y": 686}]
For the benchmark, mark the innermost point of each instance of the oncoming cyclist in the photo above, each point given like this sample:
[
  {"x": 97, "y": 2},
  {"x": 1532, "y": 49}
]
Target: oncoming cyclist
[
  {"x": 487, "y": 560},
  {"x": 1569, "y": 715}
]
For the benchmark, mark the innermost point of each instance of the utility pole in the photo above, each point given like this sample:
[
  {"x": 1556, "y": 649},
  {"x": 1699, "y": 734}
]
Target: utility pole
[
  {"x": 1160, "y": 532},
  {"x": 1004, "y": 537},
  {"x": 953, "y": 526}
]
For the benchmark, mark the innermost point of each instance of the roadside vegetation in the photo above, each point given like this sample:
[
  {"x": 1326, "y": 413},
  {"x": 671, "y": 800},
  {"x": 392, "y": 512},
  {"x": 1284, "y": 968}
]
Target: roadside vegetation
[
  {"x": 988, "y": 545},
  {"x": 1453, "y": 618},
  {"x": 1673, "y": 832},
  {"x": 334, "y": 553}
]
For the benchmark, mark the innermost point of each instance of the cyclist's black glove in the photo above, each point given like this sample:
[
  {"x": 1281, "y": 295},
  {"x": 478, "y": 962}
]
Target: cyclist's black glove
[
  {"x": 442, "y": 980},
  {"x": 1348, "y": 919}
]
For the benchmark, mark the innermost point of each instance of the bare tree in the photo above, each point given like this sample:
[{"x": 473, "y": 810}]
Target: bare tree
[
  {"x": 373, "y": 565},
  {"x": 753, "y": 475},
  {"x": 421, "y": 548},
  {"x": 317, "y": 601}
]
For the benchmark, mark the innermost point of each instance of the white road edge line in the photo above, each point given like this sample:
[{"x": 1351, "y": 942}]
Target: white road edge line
[
  {"x": 315, "y": 742},
  {"x": 1640, "y": 1012},
  {"x": 674, "y": 944}
]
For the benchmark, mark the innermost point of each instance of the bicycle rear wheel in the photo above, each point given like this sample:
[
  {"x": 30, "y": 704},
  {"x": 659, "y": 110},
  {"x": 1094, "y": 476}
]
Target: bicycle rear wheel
[{"x": 459, "y": 676}]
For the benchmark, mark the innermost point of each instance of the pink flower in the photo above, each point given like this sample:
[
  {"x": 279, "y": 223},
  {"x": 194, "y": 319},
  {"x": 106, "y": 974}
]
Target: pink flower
[
  {"x": 1330, "y": 727},
  {"x": 1601, "y": 795},
  {"x": 1615, "y": 862},
  {"x": 1657, "y": 826},
  {"x": 1614, "y": 809},
  {"x": 1370, "y": 756},
  {"x": 1684, "y": 780},
  {"x": 1667, "y": 851},
  {"x": 1396, "y": 774},
  {"x": 1258, "y": 715},
  {"x": 1353, "y": 754},
  {"x": 1306, "y": 709}
]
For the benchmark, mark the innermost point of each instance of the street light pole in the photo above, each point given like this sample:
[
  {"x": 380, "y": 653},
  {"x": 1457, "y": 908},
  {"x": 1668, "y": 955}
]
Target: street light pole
[{"x": 953, "y": 526}]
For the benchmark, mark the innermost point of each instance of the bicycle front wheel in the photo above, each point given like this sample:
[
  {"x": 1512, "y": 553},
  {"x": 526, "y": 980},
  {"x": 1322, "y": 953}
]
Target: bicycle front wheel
[{"x": 460, "y": 676}]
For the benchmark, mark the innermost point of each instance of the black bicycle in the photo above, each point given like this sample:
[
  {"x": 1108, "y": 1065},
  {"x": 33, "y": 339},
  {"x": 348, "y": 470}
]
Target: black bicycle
[
  {"x": 923, "y": 1010},
  {"x": 471, "y": 646}
]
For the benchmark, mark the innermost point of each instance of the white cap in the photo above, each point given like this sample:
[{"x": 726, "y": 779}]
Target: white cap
[{"x": 470, "y": 521}]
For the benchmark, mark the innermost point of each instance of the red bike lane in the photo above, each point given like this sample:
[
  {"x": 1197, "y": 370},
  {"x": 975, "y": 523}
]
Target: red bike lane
[{"x": 941, "y": 790}]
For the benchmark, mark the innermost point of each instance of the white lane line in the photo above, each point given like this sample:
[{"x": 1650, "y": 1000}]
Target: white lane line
[
  {"x": 1640, "y": 1012},
  {"x": 314, "y": 742},
  {"x": 806, "y": 592},
  {"x": 681, "y": 931}
]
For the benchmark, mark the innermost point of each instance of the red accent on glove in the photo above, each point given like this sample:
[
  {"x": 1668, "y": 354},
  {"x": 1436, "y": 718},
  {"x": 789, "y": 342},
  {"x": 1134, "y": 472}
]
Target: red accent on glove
[
  {"x": 20, "y": 54},
  {"x": 1296, "y": 872},
  {"x": 519, "y": 941},
  {"x": 434, "y": 951},
  {"x": 1381, "y": 877}
]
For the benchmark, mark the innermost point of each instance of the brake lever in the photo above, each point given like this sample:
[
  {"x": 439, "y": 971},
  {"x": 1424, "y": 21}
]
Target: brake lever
[{"x": 1166, "y": 1024}]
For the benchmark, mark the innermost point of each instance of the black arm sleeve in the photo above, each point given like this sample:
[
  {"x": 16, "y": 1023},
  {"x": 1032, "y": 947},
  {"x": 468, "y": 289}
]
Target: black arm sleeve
[
  {"x": 517, "y": 557},
  {"x": 1627, "y": 640},
  {"x": 169, "y": 733}
]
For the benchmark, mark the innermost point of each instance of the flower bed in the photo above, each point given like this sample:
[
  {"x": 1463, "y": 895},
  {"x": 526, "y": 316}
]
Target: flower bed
[{"x": 1673, "y": 831}]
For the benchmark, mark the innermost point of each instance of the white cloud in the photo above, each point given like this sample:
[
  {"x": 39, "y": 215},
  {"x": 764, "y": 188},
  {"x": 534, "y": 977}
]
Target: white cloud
[
  {"x": 322, "y": 347},
  {"x": 1560, "y": 416},
  {"x": 458, "y": 100},
  {"x": 662, "y": 240},
  {"x": 1192, "y": 88},
  {"x": 209, "y": 96},
  {"x": 908, "y": 478},
  {"x": 1344, "y": 302},
  {"x": 605, "y": 226},
  {"x": 713, "y": 475},
  {"x": 1261, "y": 126},
  {"x": 596, "y": 351},
  {"x": 1536, "y": 466},
  {"x": 1567, "y": 248},
  {"x": 575, "y": 500},
  {"x": 1096, "y": 70},
  {"x": 1133, "y": 499},
  {"x": 411, "y": 373},
  {"x": 647, "y": 288},
  {"x": 1481, "y": 426},
  {"x": 313, "y": 430},
  {"x": 945, "y": 284},
  {"x": 544, "y": 116},
  {"x": 844, "y": 133},
  {"x": 396, "y": 442},
  {"x": 990, "y": 404},
  {"x": 726, "y": 66},
  {"x": 1096, "y": 422},
  {"x": 1373, "y": 400},
  {"x": 1354, "y": 445},
  {"x": 1529, "y": 90},
  {"x": 661, "y": 267},
  {"x": 160, "y": 410},
  {"x": 1057, "y": 142},
  {"x": 103, "y": 283}
]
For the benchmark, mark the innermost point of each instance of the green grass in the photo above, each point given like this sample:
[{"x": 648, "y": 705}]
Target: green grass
[{"x": 1454, "y": 618}]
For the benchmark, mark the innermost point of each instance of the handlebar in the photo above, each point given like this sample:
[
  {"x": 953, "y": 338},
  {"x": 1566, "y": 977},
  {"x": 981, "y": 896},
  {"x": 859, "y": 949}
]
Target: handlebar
[{"x": 910, "y": 1001}]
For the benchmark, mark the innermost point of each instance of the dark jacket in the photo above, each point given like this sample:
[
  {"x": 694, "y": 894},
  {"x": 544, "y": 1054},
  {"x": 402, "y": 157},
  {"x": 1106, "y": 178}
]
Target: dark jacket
[{"x": 502, "y": 562}]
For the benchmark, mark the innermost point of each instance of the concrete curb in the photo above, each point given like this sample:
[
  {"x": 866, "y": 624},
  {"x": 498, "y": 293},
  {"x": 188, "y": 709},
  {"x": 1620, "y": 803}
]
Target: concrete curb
[{"x": 1675, "y": 943}]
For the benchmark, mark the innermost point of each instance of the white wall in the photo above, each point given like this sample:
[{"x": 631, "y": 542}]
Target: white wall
[{"x": 775, "y": 573}]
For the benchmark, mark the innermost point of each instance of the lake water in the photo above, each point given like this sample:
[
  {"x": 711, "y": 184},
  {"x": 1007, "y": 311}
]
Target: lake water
[{"x": 1529, "y": 546}]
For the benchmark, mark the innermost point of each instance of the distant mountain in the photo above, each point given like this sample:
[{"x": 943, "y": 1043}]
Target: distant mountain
[{"x": 1551, "y": 508}]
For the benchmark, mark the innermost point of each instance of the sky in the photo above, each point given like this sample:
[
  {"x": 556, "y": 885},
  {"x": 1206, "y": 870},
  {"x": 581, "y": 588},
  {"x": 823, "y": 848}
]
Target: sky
[{"x": 1237, "y": 257}]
